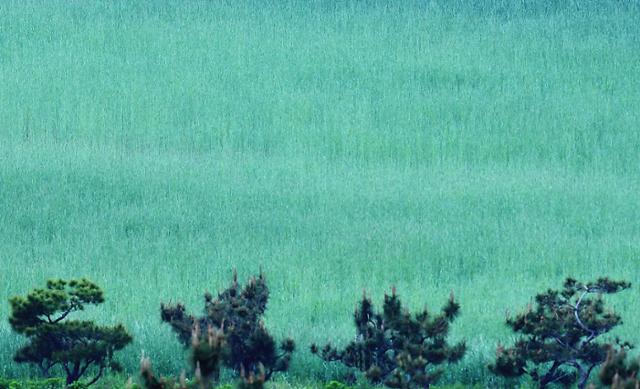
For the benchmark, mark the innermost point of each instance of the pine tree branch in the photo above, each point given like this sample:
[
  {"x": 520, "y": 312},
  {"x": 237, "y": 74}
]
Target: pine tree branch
[
  {"x": 549, "y": 377},
  {"x": 63, "y": 316},
  {"x": 585, "y": 376},
  {"x": 97, "y": 377},
  {"x": 45, "y": 367},
  {"x": 85, "y": 367},
  {"x": 268, "y": 374},
  {"x": 576, "y": 312},
  {"x": 558, "y": 378}
]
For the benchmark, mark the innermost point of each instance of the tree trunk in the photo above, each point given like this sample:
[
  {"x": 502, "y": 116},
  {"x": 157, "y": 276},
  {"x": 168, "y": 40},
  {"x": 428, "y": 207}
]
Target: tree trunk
[
  {"x": 584, "y": 376},
  {"x": 550, "y": 376},
  {"x": 73, "y": 375}
]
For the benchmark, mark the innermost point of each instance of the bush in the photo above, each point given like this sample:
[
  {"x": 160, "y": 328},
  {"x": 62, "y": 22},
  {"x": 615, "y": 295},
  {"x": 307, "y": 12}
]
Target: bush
[
  {"x": 55, "y": 341},
  {"x": 558, "y": 336},
  {"x": 237, "y": 312},
  {"x": 396, "y": 348}
]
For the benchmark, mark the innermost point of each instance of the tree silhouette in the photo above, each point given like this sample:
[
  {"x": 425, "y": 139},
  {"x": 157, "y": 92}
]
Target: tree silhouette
[
  {"x": 558, "y": 336},
  {"x": 237, "y": 312}
]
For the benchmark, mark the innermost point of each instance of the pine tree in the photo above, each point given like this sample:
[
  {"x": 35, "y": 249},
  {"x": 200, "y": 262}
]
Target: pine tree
[
  {"x": 396, "y": 348},
  {"x": 237, "y": 312},
  {"x": 55, "y": 341},
  {"x": 558, "y": 337}
]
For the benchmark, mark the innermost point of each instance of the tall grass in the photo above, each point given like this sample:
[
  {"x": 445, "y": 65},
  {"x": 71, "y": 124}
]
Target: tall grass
[{"x": 152, "y": 146}]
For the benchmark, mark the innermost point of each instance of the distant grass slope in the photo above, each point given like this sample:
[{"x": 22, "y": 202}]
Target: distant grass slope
[{"x": 490, "y": 150}]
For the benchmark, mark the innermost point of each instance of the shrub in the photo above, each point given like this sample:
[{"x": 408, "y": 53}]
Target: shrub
[
  {"x": 558, "y": 336},
  {"x": 237, "y": 312},
  {"x": 55, "y": 341},
  {"x": 396, "y": 348},
  {"x": 618, "y": 373}
]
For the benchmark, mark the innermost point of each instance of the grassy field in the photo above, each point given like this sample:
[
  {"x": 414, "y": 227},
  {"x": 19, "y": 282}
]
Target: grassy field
[{"x": 488, "y": 149}]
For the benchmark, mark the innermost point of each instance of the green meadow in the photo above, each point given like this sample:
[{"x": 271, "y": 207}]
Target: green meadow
[{"x": 489, "y": 148}]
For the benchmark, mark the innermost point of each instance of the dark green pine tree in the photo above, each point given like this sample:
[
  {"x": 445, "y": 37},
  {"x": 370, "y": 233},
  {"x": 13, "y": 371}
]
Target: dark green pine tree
[
  {"x": 558, "y": 336},
  {"x": 55, "y": 341},
  {"x": 396, "y": 348},
  {"x": 237, "y": 312}
]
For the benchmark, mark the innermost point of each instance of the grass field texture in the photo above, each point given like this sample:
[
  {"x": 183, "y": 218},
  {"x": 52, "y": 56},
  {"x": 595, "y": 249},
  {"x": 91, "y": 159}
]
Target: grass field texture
[{"x": 488, "y": 148}]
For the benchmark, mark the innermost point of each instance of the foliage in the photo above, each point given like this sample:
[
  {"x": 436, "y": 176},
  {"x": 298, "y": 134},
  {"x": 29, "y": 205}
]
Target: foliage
[
  {"x": 54, "y": 341},
  {"x": 396, "y": 348},
  {"x": 618, "y": 373},
  {"x": 237, "y": 312},
  {"x": 558, "y": 336}
]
